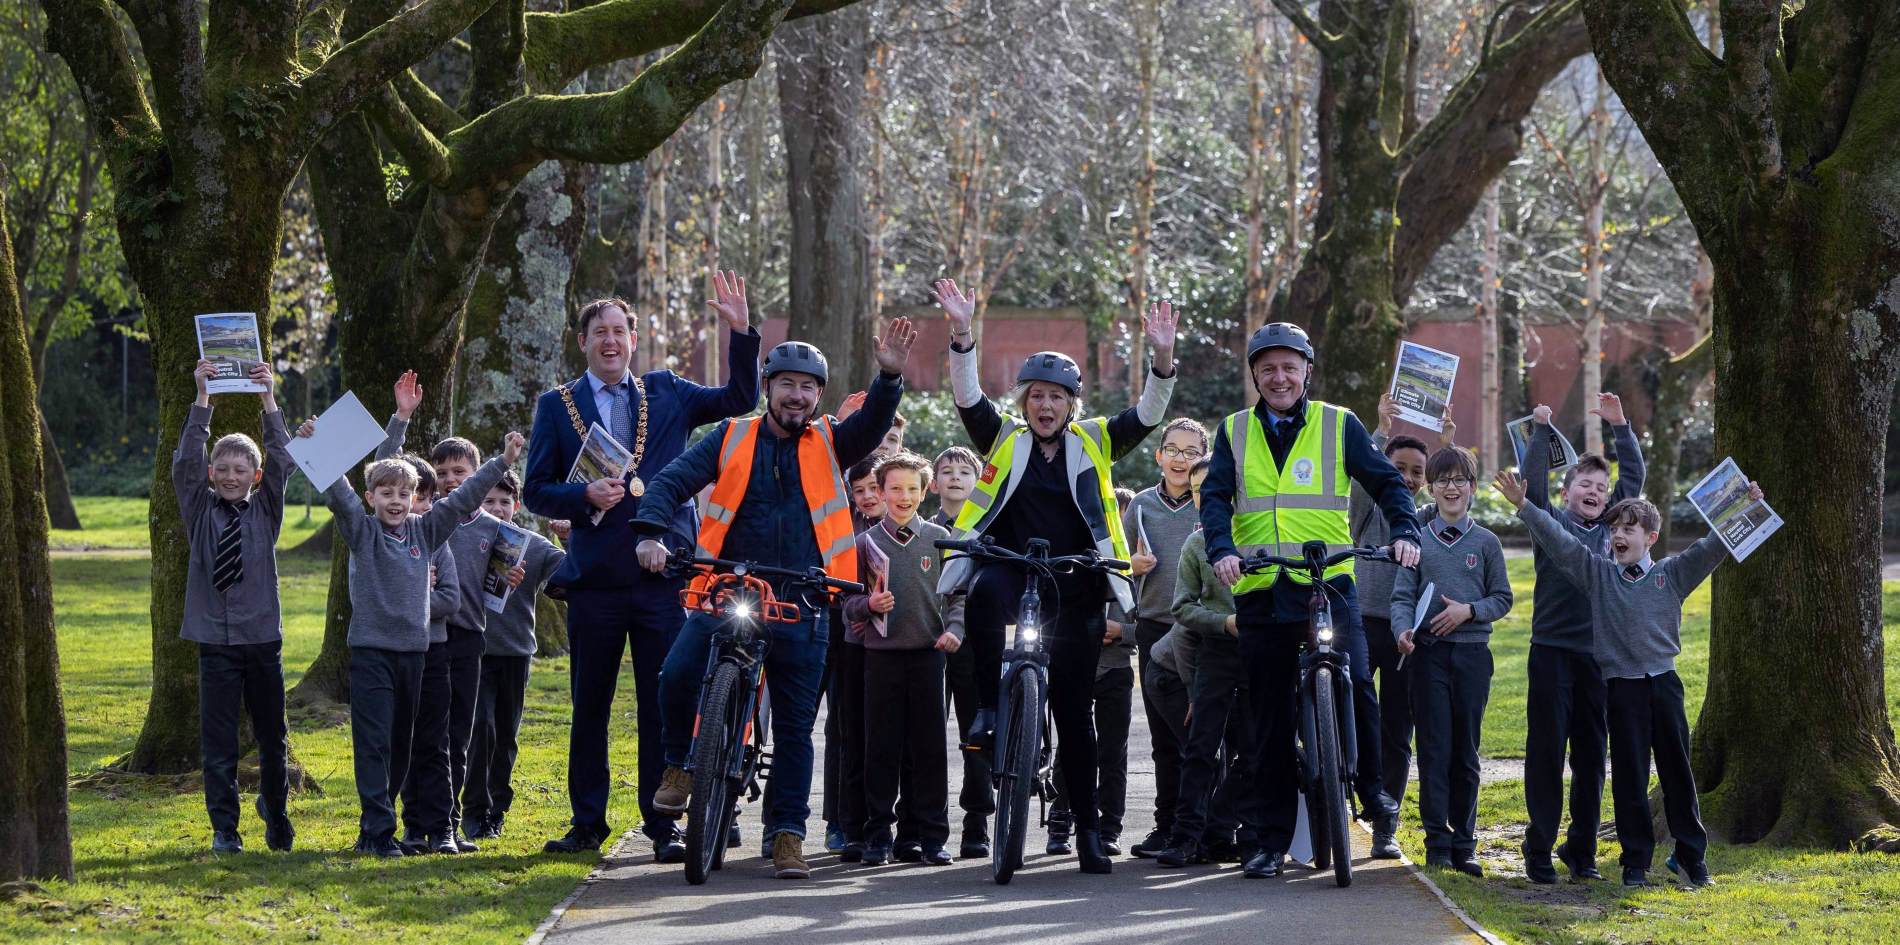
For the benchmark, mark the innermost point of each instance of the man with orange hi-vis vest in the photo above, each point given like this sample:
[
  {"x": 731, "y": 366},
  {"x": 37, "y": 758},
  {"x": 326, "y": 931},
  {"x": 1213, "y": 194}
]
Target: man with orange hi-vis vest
[{"x": 779, "y": 498}]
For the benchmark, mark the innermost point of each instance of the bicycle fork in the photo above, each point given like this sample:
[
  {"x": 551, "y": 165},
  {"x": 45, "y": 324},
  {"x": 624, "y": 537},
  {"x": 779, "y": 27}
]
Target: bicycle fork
[{"x": 1339, "y": 673}]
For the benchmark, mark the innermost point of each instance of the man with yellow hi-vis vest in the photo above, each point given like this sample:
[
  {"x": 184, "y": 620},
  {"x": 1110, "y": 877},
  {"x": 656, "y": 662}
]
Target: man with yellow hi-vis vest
[
  {"x": 1046, "y": 476},
  {"x": 1281, "y": 475},
  {"x": 779, "y": 498}
]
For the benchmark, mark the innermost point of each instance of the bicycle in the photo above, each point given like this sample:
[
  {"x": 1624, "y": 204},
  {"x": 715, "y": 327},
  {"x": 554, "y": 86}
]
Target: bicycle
[
  {"x": 729, "y": 756},
  {"x": 1024, "y": 755},
  {"x": 1329, "y": 755}
]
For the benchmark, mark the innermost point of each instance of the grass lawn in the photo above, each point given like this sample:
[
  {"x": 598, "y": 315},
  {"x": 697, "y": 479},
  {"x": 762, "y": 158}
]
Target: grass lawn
[
  {"x": 145, "y": 873},
  {"x": 117, "y": 524}
]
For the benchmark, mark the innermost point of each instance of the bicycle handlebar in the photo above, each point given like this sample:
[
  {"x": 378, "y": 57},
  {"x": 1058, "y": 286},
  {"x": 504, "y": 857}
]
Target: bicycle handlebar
[
  {"x": 987, "y": 549},
  {"x": 685, "y": 559},
  {"x": 1312, "y": 564}
]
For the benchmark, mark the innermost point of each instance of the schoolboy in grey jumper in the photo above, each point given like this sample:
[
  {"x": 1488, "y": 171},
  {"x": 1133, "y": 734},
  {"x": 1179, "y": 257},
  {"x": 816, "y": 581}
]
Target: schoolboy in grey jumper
[
  {"x": 390, "y": 550},
  {"x": 1636, "y": 616},
  {"x": 1449, "y": 659},
  {"x": 232, "y": 511},
  {"x": 906, "y": 629},
  {"x": 508, "y": 648}
]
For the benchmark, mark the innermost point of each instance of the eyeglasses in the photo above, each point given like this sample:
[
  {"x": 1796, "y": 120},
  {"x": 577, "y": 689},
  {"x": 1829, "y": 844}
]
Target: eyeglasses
[
  {"x": 1190, "y": 454},
  {"x": 1453, "y": 482}
]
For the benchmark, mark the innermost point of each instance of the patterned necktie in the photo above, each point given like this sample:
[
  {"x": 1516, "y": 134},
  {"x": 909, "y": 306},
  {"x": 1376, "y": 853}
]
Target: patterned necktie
[
  {"x": 1450, "y": 534},
  {"x": 620, "y": 422},
  {"x": 228, "y": 565},
  {"x": 1634, "y": 571}
]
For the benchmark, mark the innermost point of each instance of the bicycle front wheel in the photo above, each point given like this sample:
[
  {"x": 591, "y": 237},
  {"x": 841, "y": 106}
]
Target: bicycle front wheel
[
  {"x": 1332, "y": 787},
  {"x": 1018, "y": 776},
  {"x": 713, "y": 744}
]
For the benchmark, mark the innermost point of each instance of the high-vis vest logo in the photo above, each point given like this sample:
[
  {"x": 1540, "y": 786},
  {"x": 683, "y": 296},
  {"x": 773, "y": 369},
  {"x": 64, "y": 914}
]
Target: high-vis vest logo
[
  {"x": 1278, "y": 513},
  {"x": 1088, "y": 450},
  {"x": 825, "y": 493}
]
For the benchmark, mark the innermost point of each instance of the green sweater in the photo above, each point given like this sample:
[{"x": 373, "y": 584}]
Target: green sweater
[{"x": 1201, "y": 602}]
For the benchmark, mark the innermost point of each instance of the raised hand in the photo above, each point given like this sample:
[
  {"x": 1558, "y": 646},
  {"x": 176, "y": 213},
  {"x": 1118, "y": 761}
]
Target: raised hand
[
  {"x": 512, "y": 446},
  {"x": 561, "y": 528},
  {"x": 1754, "y": 490},
  {"x": 1159, "y": 325},
  {"x": 1509, "y": 485},
  {"x": 893, "y": 348},
  {"x": 408, "y": 395},
  {"x": 202, "y": 375},
  {"x": 260, "y": 373},
  {"x": 730, "y": 302},
  {"x": 1448, "y": 434},
  {"x": 852, "y": 403},
  {"x": 1610, "y": 407},
  {"x": 1541, "y": 414},
  {"x": 960, "y": 308},
  {"x": 308, "y": 428},
  {"x": 1388, "y": 413}
]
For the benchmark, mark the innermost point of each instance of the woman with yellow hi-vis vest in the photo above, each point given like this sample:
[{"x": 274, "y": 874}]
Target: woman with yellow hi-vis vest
[
  {"x": 1046, "y": 476},
  {"x": 1281, "y": 475}
]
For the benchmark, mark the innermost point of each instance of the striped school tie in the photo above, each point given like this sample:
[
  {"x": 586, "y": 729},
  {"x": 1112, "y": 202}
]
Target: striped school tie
[{"x": 228, "y": 567}]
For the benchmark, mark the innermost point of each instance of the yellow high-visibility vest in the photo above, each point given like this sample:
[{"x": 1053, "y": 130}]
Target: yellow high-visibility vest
[
  {"x": 1087, "y": 442},
  {"x": 1278, "y": 509}
]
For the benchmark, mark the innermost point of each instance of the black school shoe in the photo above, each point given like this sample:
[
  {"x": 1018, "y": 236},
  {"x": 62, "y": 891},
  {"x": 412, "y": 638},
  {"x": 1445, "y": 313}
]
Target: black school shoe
[
  {"x": 670, "y": 847},
  {"x": 1538, "y": 868},
  {"x": 875, "y": 853},
  {"x": 1580, "y": 868},
  {"x": 279, "y": 836},
  {"x": 1112, "y": 843},
  {"x": 974, "y": 848},
  {"x": 909, "y": 851},
  {"x": 1464, "y": 862},
  {"x": 226, "y": 841},
  {"x": 445, "y": 845},
  {"x": 1695, "y": 874},
  {"x": 936, "y": 857},
  {"x": 577, "y": 840},
  {"x": 485, "y": 829},
  {"x": 1151, "y": 845},
  {"x": 1181, "y": 853},
  {"x": 1264, "y": 865},
  {"x": 462, "y": 844},
  {"x": 378, "y": 846},
  {"x": 1634, "y": 876}
]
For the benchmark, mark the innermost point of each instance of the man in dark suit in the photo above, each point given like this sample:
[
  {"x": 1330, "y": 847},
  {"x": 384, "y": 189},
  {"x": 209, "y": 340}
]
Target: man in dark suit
[{"x": 612, "y": 603}]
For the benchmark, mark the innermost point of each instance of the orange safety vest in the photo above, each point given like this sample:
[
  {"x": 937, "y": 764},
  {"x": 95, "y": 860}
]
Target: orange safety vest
[{"x": 825, "y": 493}]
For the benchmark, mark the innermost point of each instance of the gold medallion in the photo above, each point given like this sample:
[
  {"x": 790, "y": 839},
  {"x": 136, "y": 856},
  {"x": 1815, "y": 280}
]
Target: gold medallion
[{"x": 636, "y": 488}]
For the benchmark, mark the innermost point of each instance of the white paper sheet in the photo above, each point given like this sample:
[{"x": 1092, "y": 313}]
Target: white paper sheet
[
  {"x": 1742, "y": 522},
  {"x": 345, "y": 434},
  {"x": 1520, "y": 430}
]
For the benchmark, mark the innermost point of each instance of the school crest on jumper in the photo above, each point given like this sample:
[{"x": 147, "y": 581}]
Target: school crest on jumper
[
  {"x": 415, "y": 552},
  {"x": 1661, "y": 580},
  {"x": 924, "y": 562},
  {"x": 484, "y": 544},
  {"x": 1471, "y": 561},
  {"x": 1303, "y": 472}
]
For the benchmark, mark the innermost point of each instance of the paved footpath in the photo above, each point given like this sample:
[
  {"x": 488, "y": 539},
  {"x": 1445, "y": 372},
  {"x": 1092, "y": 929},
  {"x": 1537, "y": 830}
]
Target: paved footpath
[{"x": 633, "y": 901}]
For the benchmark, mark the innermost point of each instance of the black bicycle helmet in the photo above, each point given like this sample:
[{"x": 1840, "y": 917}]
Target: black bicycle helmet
[
  {"x": 1279, "y": 335},
  {"x": 796, "y": 356},
  {"x": 1054, "y": 367}
]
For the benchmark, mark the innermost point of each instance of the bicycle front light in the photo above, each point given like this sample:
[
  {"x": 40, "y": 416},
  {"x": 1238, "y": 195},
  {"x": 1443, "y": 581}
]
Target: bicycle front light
[
  {"x": 1326, "y": 634},
  {"x": 739, "y": 610}
]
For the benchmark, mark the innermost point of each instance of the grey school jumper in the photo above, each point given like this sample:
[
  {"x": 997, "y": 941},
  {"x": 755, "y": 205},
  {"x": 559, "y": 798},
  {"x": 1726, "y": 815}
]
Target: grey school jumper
[
  {"x": 1637, "y": 620},
  {"x": 1167, "y": 528},
  {"x": 511, "y": 632},
  {"x": 1560, "y": 611},
  {"x": 472, "y": 544},
  {"x": 920, "y": 614},
  {"x": 1469, "y": 569},
  {"x": 445, "y": 596},
  {"x": 246, "y": 612},
  {"x": 389, "y": 570}
]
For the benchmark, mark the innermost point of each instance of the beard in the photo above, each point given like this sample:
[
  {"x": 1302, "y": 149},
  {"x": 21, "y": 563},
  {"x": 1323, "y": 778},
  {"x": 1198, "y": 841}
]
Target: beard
[{"x": 793, "y": 422}]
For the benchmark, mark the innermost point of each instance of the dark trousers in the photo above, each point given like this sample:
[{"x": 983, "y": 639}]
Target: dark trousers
[
  {"x": 1166, "y": 728},
  {"x": 1216, "y": 767},
  {"x": 1565, "y": 708},
  {"x": 1271, "y": 654},
  {"x": 1646, "y": 717},
  {"x": 834, "y": 748},
  {"x": 602, "y": 625},
  {"x": 1074, "y": 643},
  {"x": 976, "y": 798},
  {"x": 384, "y": 688},
  {"x": 1114, "y": 699},
  {"x": 488, "y": 792},
  {"x": 426, "y": 790},
  {"x": 844, "y": 738},
  {"x": 251, "y": 676},
  {"x": 1450, "y": 685},
  {"x": 903, "y": 728},
  {"x": 465, "y": 683},
  {"x": 1395, "y": 707}
]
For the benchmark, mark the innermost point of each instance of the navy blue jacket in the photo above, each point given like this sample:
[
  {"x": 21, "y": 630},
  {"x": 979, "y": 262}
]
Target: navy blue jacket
[
  {"x": 1285, "y": 601},
  {"x": 601, "y": 556},
  {"x": 773, "y": 524}
]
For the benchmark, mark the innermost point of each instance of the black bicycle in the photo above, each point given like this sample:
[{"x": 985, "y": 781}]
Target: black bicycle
[
  {"x": 1021, "y": 750},
  {"x": 1329, "y": 751},
  {"x": 729, "y": 755}
]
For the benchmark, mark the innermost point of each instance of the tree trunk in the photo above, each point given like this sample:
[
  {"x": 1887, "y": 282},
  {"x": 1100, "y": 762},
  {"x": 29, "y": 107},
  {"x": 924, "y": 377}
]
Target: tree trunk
[
  {"x": 35, "y": 837},
  {"x": 1513, "y": 393},
  {"x": 1488, "y": 382},
  {"x": 550, "y": 628},
  {"x": 60, "y": 510},
  {"x": 821, "y": 70},
  {"x": 1141, "y": 244},
  {"x": 1595, "y": 184},
  {"x": 1678, "y": 378}
]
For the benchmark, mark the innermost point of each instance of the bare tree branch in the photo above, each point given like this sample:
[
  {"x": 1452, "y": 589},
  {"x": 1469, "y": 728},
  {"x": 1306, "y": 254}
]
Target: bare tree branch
[
  {"x": 429, "y": 108},
  {"x": 1535, "y": 29},
  {"x": 376, "y": 57},
  {"x": 1295, "y": 13},
  {"x": 86, "y": 35},
  {"x": 561, "y": 46},
  {"x": 426, "y": 156}
]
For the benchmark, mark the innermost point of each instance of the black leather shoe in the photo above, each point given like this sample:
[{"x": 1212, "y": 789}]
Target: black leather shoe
[
  {"x": 733, "y": 839},
  {"x": 1385, "y": 847},
  {"x": 1467, "y": 864},
  {"x": 1634, "y": 876},
  {"x": 1151, "y": 845},
  {"x": 937, "y": 857},
  {"x": 1094, "y": 858},
  {"x": 982, "y": 733},
  {"x": 974, "y": 848},
  {"x": 1112, "y": 842},
  {"x": 1264, "y": 865},
  {"x": 909, "y": 851},
  {"x": 1181, "y": 853},
  {"x": 484, "y": 829},
  {"x": 278, "y": 834},
  {"x": 577, "y": 840},
  {"x": 462, "y": 844},
  {"x": 876, "y": 853},
  {"x": 669, "y": 847},
  {"x": 1580, "y": 868},
  {"x": 1538, "y": 868},
  {"x": 415, "y": 844},
  {"x": 226, "y": 841},
  {"x": 1439, "y": 859},
  {"x": 1222, "y": 851},
  {"x": 445, "y": 844},
  {"x": 379, "y": 846},
  {"x": 1695, "y": 874},
  {"x": 853, "y": 852},
  {"x": 1059, "y": 844}
]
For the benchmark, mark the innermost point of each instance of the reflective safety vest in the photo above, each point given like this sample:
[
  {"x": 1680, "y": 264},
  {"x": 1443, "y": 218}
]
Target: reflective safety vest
[
  {"x": 1088, "y": 452},
  {"x": 1278, "y": 509},
  {"x": 825, "y": 493}
]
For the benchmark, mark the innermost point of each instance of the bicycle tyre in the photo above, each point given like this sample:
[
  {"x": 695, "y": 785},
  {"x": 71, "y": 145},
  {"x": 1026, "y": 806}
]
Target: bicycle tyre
[
  {"x": 1018, "y": 777},
  {"x": 1331, "y": 786},
  {"x": 706, "y": 812}
]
